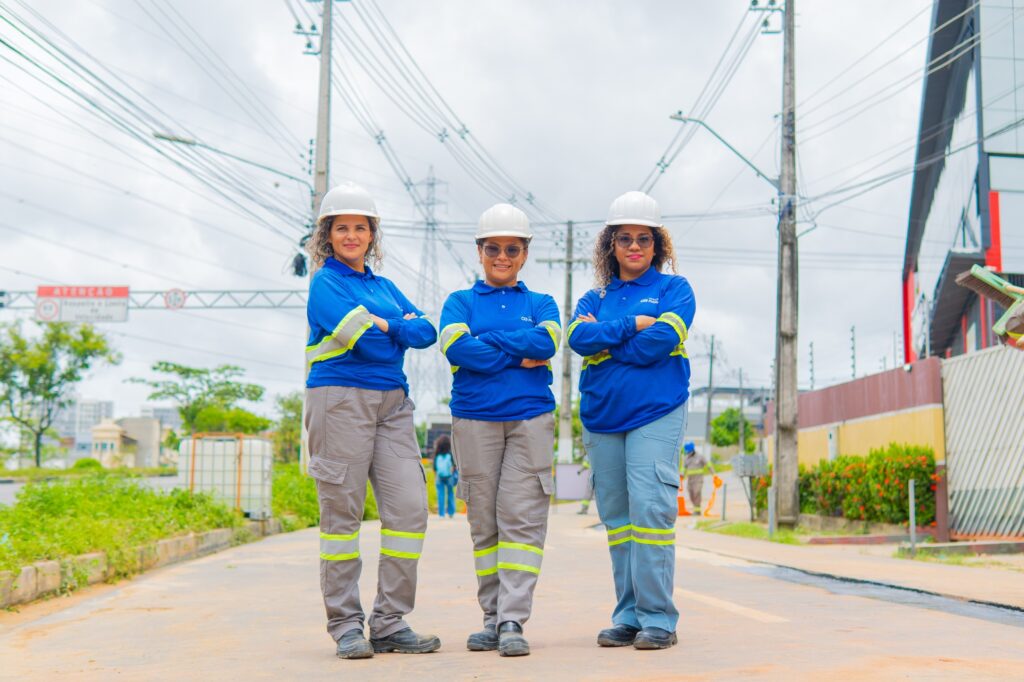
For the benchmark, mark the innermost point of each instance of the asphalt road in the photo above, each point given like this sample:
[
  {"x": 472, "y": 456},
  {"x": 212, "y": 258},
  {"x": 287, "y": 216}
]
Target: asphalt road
[{"x": 254, "y": 612}]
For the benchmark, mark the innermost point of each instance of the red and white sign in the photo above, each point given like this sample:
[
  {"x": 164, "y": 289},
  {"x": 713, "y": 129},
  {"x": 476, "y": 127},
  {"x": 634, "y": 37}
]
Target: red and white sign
[
  {"x": 174, "y": 299},
  {"x": 81, "y": 304}
]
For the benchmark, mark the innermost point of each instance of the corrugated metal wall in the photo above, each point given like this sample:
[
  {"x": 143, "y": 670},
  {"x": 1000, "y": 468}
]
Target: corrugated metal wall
[{"x": 984, "y": 402}]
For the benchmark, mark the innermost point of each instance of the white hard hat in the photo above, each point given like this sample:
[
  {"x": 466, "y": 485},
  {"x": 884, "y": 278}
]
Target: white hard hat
[
  {"x": 503, "y": 220},
  {"x": 634, "y": 208},
  {"x": 347, "y": 198}
]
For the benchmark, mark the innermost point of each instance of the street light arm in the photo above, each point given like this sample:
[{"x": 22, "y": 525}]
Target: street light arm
[
  {"x": 678, "y": 116},
  {"x": 196, "y": 143}
]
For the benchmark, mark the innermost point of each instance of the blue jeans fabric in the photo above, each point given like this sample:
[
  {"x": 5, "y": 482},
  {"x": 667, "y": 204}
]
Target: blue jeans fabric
[
  {"x": 446, "y": 496},
  {"x": 636, "y": 482}
]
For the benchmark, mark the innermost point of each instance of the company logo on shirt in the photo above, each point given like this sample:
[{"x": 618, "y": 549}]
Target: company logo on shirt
[
  {"x": 649, "y": 300},
  {"x": 527, "y": 319}
]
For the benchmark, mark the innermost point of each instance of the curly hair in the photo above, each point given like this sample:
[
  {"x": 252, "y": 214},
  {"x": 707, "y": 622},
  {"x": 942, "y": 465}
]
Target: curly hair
[
  {"x": 320, "y": 249},
  {"x": 605, "y": 265}
]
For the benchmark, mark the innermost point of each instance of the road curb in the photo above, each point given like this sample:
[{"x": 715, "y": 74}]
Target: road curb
[
  {"x": 863, "y": 581},
  {"x": 45, "y": 578}
]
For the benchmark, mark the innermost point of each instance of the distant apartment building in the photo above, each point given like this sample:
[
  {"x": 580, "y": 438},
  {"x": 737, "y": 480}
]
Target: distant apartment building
[
  {"x": 74, "y": 423},
  {"x": 169, "y": 417}
]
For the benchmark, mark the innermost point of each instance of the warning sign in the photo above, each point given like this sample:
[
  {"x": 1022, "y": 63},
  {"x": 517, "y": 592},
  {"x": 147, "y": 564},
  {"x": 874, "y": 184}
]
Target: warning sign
[{"x": 81, "y": 304}]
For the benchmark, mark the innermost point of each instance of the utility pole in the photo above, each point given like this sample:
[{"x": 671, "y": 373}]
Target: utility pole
[
  {"x": 321, "y": 168},
  {"x": 853, "y": 351},
  {"x": 812, "y": 365},
  {"x": 743, "y": 421},
  {"x": 565, "y": 440},
  {"x": 711, "y": 389},
  {"x": 427, "y": 376},
  {"x": 321, "y": 165},
  {"x": 785, "y": 478}
]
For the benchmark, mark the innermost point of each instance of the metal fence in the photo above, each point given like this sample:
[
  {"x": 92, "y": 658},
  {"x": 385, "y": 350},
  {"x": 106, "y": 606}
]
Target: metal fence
[{"x": 983, "y": 394}]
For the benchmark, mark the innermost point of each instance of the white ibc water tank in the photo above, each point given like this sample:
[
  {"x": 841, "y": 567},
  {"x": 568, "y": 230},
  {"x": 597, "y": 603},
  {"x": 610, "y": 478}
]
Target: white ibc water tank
[{"x": 236, "y": 469}]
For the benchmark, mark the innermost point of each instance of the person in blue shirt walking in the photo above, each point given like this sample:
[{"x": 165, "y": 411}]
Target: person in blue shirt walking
[
  {"x": 444, "y": 476},
  {"x": 634, "y": 385},
  {"x": 499, "y": 337},
  {"x": 360, "y": 423}
]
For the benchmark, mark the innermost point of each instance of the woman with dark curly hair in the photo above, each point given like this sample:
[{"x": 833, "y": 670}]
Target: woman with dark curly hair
[
  {"x": 634, "y": 385},
  {"x": 360, "y": 423}
]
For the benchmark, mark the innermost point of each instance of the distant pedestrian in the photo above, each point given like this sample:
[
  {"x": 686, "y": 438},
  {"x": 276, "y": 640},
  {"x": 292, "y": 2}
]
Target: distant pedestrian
[
  {"x": 360, "y": 423},
  {"x": 634, "y": 386},
  {"x": 499, "y": 337},
  {"x": 588, "y": 482},
  {"x": 444, "y": 476},
  {"x": 694, "y": 465}
]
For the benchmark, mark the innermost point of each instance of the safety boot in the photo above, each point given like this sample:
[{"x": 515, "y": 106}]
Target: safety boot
[
  {"x": 485, "y": 640},
  {"x": 619, "y": 635},
  {"x": 354, "y": 645},
  {"x": 405, "y": 642},
  {"x": 654, "y": 638},
  {"x": 511, "y": 641}
]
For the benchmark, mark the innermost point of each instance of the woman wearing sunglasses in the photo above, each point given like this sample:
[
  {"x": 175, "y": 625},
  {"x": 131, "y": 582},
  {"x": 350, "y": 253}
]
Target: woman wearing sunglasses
[
  {"x": 634, "y": 385},
  {"x": 498, "y": 337}
]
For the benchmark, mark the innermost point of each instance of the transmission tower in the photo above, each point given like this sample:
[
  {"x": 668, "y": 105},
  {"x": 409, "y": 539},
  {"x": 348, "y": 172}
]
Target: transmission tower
[{"x": 429, "y": 379}]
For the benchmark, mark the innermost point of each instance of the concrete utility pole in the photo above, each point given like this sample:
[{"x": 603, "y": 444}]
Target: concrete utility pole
[
  {"x": 853, "y": 352},
  {"x": 743, "y": 421},
  {"x": 565, "y": 441},
  {"x": 785, "y": 475},
  {"x": 321, "y": 175},
  {"x": 321, "y": 165},
  {"x": 711, "y": 389}
]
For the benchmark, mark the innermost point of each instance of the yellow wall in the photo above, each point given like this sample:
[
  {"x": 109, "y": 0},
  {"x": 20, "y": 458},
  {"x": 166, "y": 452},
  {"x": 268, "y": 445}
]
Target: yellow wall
[{"x": 921, "y": 426}]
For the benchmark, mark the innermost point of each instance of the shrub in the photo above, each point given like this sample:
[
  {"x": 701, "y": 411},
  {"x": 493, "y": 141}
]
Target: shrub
[{"x": 87, "y": 463}]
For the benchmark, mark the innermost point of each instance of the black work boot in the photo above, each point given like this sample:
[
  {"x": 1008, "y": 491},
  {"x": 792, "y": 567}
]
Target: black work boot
[
  {"x": 511, "y": 641},
  {"x": 619, "y": 635},
  {"x": 405, "y": 642},
  {"x": 654, "y": 638},
  {"x": 485, "y": 640},
  {"x": 353, "y": 645}
]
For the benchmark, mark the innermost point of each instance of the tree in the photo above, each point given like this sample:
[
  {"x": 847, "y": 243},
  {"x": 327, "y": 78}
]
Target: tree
[
  {"x": 196, "y": 388},
  {"x": 288, "y": 430},
  {"x": 218, "y": 419},
  {"x": 725, "y": 430},
  {"x": 37, "y": 375}
]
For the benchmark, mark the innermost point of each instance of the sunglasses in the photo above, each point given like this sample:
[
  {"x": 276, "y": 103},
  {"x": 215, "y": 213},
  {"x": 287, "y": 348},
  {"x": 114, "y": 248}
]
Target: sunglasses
[
  {"x": 493, "y": 250},
  {"x": 644, "y": 241}
]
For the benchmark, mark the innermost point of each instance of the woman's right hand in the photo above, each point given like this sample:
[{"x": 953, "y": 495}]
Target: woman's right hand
[
  {"x": 527, "y": 363},
  {"x": 644, "y": 321}
]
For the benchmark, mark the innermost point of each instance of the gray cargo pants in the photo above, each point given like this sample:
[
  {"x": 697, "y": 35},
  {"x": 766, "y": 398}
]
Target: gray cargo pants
[
  {"x": 355, "y": 434},
  {"x": 505, "y": 479}
]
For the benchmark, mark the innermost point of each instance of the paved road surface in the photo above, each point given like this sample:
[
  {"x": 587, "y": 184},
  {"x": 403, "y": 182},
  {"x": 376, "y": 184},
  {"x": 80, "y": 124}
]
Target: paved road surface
[{"x": 254, "y": 612}]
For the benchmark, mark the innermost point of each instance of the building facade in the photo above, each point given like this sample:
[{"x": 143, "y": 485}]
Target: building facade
[
  {"x": 74, "y": 423},
  {"x": 967, "y": 198}
]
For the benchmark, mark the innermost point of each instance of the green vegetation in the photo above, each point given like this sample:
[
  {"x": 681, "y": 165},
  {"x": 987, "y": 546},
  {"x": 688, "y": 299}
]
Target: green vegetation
[
  {"x": 725, "y": 430},
  {"x": 294, "y": 500},
  {"x": 37, "y": 375},
  {"x": 750, "y": 530},
  {"x": 87, "y": 464},
  {"x": 872, "y": 488},
  {"x": 35, "y": 474},
  {"x": 207, "y": 398},
  {"x": 288, "y": 428},
  {"x": 101, "y": 512}
]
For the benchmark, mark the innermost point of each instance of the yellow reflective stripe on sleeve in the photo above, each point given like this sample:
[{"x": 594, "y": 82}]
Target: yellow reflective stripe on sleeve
[
  {"x": 596, "y": 359},
  {"x": 676, "y": 323},
  {"x": 343, "y": 338},
  {"x": 572, "y": 328},
  {"x": 680, "y": 351},
  {"x": 555, "y": 330},
  {"x": 451, "y": 333}
]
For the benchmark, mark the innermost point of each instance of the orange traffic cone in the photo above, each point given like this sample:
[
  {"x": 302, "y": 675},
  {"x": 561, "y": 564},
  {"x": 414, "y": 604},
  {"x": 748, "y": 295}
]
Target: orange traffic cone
[{"x": 681, "y": 500}]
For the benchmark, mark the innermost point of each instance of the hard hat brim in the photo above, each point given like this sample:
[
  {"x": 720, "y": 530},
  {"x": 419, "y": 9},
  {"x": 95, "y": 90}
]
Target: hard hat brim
[
  {"x": 633, "y": 221},
  {"x": 504, "y": 233},
  {"x": 349, "y": 211}
]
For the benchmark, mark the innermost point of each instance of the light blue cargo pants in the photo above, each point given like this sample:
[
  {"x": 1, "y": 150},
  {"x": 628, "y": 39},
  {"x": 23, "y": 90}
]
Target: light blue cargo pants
[{"x": 636, "y": 481}]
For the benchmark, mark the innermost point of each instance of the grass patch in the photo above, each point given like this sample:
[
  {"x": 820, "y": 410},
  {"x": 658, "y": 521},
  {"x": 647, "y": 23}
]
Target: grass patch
[
  {"x": 964, "y": 560},
  {"x": 100, "y": 512},
  {"x": 753, "y": 531},
  {"x": 34, "y": 474}
]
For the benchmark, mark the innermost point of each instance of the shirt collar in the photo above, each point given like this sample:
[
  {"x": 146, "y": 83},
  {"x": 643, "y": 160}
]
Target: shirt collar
[
  {"x": 649, "y": 277},
  {"x": 337, "y": 266},
  {"x": 482, "y": 287}
]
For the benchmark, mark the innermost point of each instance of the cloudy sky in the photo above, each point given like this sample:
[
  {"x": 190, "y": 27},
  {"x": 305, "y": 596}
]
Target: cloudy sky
[{"x": 569, "y": 99}]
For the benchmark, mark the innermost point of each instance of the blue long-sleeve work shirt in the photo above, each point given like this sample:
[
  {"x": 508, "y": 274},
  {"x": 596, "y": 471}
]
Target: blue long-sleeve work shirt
[
  {"x": 632, "y": 378},
  {"x": 345, "y": 348},
  {"x": 486, "y": 332}
]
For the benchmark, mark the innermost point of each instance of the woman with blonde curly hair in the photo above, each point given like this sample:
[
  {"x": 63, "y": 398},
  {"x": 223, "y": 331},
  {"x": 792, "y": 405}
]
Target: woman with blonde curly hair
[
  {"x": 634, "y": 386},
  {"x": 360, "y": 423}
]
